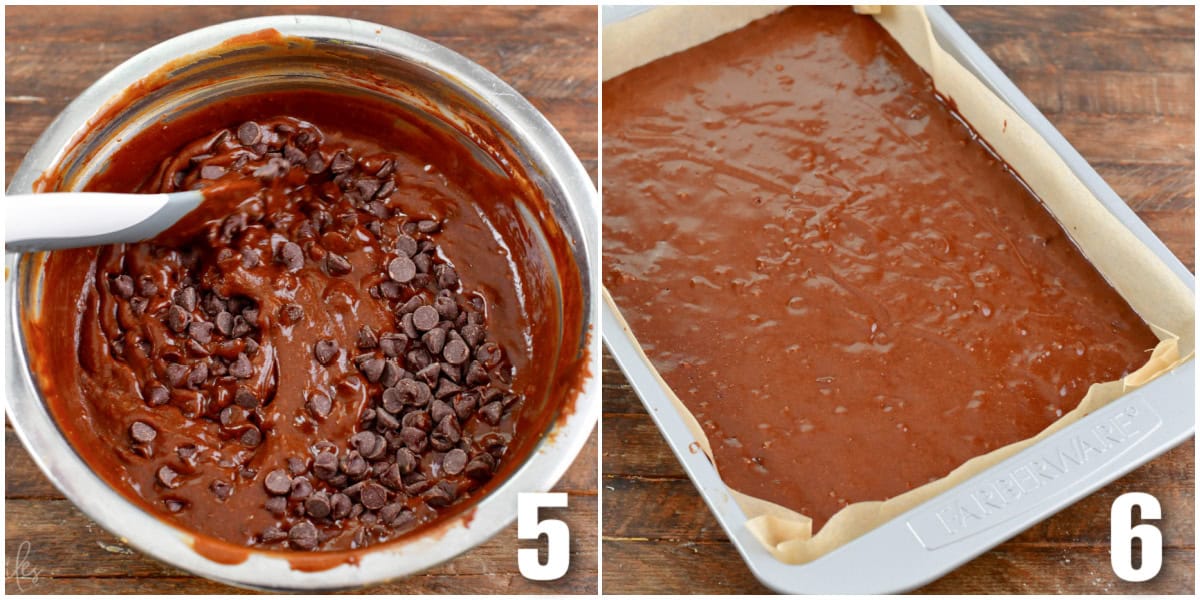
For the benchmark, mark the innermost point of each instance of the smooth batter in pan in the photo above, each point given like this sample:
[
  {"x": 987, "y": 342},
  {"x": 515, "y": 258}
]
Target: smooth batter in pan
[{"x": 851, "y": 294}]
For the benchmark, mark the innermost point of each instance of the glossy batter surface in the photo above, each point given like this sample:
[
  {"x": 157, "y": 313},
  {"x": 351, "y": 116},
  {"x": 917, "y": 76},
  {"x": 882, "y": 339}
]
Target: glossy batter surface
[
  {"x": 337, "y": 359},
  {"x": 848, "y": 291}
]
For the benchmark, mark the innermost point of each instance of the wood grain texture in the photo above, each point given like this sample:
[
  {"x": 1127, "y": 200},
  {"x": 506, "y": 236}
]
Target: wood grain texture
[
  {"x": 1118, "y": 82},
  {"x": 546, "y": 53}
]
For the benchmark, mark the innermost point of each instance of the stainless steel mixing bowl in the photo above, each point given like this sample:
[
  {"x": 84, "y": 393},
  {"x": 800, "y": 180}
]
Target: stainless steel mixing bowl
[{"x": 332, "y": 54}]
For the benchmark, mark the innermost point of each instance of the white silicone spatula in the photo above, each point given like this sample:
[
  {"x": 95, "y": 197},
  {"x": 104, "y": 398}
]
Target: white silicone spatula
[
  {"x": 54, "y": 221},
  {"x": 60, "y": 220}
]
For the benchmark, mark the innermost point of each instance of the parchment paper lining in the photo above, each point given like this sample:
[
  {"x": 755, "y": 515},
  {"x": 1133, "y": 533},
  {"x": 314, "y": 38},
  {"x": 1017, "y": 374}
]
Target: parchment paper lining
[{"x": 1149, "y": 287}]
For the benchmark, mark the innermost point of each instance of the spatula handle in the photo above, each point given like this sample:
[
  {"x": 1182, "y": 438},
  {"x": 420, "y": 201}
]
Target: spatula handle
[{"x": 76, "y": 219}]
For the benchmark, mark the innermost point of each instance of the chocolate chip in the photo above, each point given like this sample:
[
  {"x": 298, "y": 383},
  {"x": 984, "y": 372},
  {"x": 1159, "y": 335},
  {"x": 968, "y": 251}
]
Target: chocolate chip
[
  {"x": 393, "y": 344},
  {"x": 389, "y": 513},
  {"x": 464, "y": 406},
  {"x": 303, "y": 536},
  {"x": 325, "y": 351},
  {"x": 401, "y": 269},
  {"x": 491, "y": 413},
  {"x": 201, "y": 331},
  {"x": 451, "y": 372},
  {"x": 187, "y": 298},
  {"x": 221, "y": 489},
  {"x": 386, "y": 420},
  {"x": 446, "y": 434},
  {"x": 378, "y": 450},
  {"x": 158, "y": 395},
  {"x": 240, "y": 326},
  {"x": 434, "y": 340},
  {"x": 198, "y": 375},
  {"x": 252, "y": 437},
  {"x": 231, "y": 415},
  {"x": 406, "y": 245},
  {"x": 353, "y": 465},
  {"x": 294, "y": 155},
  {"x": 367, "y": 338},
  {"x": 319, "y": 405},
  {"x": 211, "y": 172},
  {"x": 225, "y": 323},
  {"x": 410, "y": 330},
  {"x": 249, "y": 133},
  {"x": 406, "y": 461},
  {"x": 489, "y": 354},
  {"x": 372, "y": 369},
  {"x": 413, "y": 392},
  {"x": 456, "y": 352},
  {"x": 341, "y": 162},
  {"x": 296, "y": 466},
  {"x": 138, "y": 305},
  {"x": 325, "y": 465},
  {"x": 476, "y": 374},
  {"x": 337, "y": 264},
  {"x": 272, "y": 534},
  {"x": 176, "y": 374},
  {"x": 315, "y": 163},
  {"x": 142, "y": 432},
  {"x": 146, "y": 286},
  {"x": 278, "y": 482},
  {"x": 174, "y": 505},
  {"x": 454, "y": 462},
  {"x": 423, "y": 263},
  {"x": 481, "y": 466},
  {"x": 439, "y": 409},
  {"x": 245, "y": 399},
  {"x": 277, "y": 505},
  {"x": 340, "y": 506},
  {"x": 275, "y": 168},
  {"x": 428, "y": 226},
  {"x": 446, "y": 388},
  {"x": 241, "y": 367},
  {"x": 386, "y": 189},
  {"x": 392, "y": 400},
  {"x": 178, "y": 318},
  {"x": 367, "y": 187},
  {"x": 417, "y": 418},
  {"x": 431, "y": 372},
  {"x": 425, "y": 318},
  {"x": 414, "y": 439},
  {"x": 168, "y": 477},
  {"x": 291, "y": 255},
  {"x": 447, "y": 277},
  {"x": 373, "y": 496},
  {"x": 122, "y": 286},
  {"x": 446, "y": 307},
  {"x": 392, "y": 374},
  {"x": 441, "y": 494},
  {"x": 318, "y": 505},
  {"x": 364, "y": 442},
  {"x": 391, "y": 290},
  {"x": 301, "y": 488}
]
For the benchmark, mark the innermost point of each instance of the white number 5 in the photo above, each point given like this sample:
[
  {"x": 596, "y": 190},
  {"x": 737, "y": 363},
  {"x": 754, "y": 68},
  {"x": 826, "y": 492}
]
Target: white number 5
[
  {"x": 558, "y": 537},
  {"x": 1124, "y": 532}
]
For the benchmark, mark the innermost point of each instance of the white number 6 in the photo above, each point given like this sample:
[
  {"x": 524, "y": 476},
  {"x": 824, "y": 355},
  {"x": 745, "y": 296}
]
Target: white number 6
[
  {"x": 558, "y": 537},
  {"x": 1124, "y": 532}
]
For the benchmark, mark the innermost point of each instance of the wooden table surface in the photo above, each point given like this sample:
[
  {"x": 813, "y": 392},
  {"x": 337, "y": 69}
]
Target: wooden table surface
[
  {"x": 1119, "y": 84},
  {"x": 53, "y": 53}
]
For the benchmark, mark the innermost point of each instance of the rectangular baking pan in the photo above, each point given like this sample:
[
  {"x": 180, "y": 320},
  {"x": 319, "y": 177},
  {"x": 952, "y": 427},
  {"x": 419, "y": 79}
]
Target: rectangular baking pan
[{"x": 952, "y": 528}]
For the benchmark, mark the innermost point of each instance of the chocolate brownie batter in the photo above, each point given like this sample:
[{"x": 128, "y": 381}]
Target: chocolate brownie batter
[
  {"x": 339, "y": 356},
  {"x": 846, "y": 288}
]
